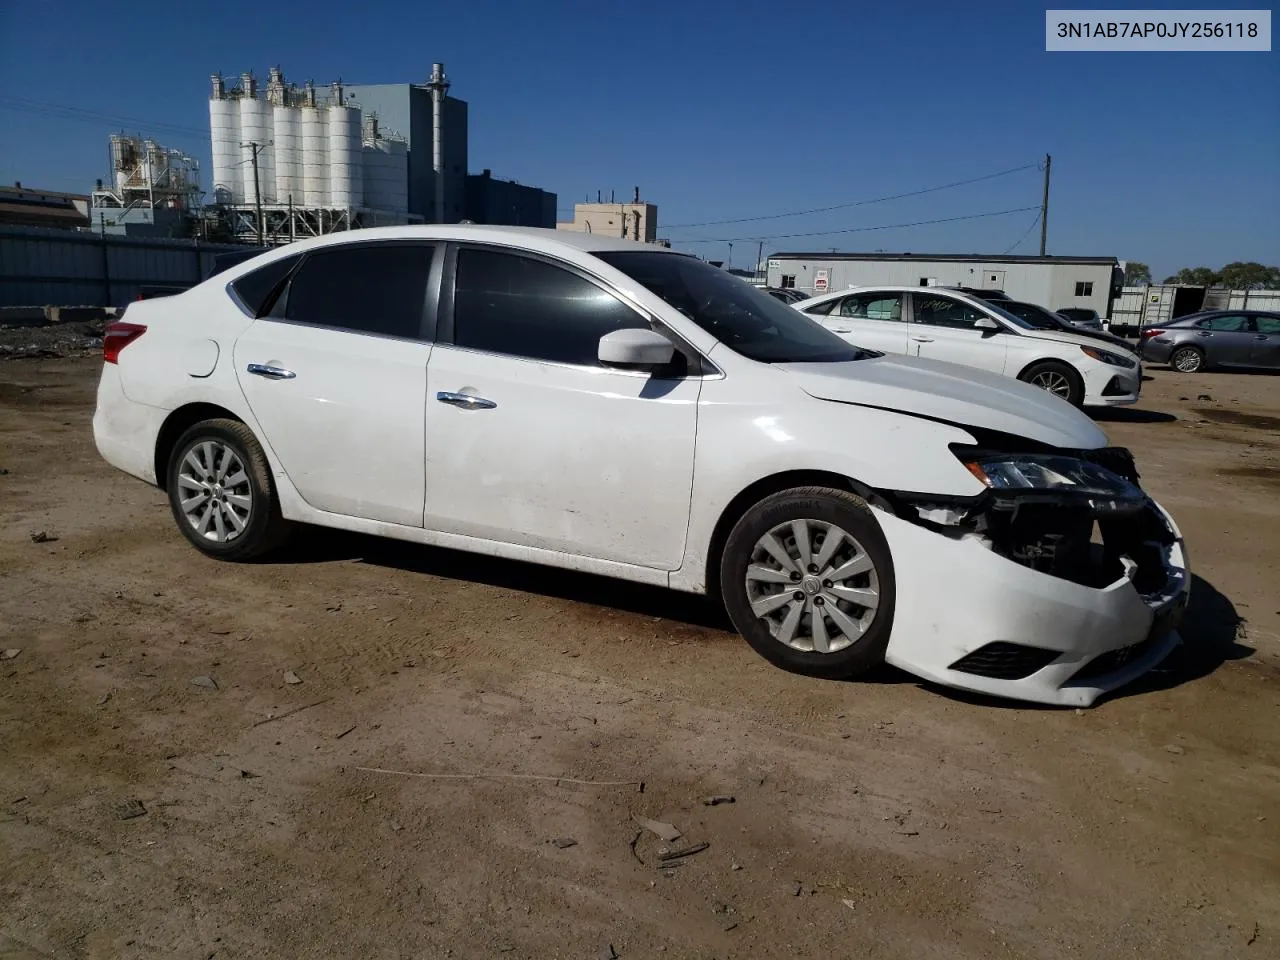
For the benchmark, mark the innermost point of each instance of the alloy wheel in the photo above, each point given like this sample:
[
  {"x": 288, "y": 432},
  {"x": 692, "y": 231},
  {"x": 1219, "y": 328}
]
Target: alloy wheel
[
  {"x": 214, "y": 491},
  {"x": 1187, "y": 361},
  {"x": 813, "y": 585},
  {"x": 1053, "y": 381}
]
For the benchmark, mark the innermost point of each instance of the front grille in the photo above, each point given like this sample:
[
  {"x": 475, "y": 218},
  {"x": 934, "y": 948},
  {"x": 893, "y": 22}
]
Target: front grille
[{"x": 1005, "y": 661}]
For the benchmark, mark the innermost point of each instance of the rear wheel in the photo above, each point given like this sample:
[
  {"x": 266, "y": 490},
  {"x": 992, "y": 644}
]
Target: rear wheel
[
  {"x": 1056, "y": 378},
  {"x": 807, "y": 579},
  {"x": 1187, "y": 360},
  {"x": 221, "y": 492}
]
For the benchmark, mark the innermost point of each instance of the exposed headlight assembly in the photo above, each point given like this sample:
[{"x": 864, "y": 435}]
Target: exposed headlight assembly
[
  {"x": 1051, "y": 473},
  {"x": 1115, "y": 359}
]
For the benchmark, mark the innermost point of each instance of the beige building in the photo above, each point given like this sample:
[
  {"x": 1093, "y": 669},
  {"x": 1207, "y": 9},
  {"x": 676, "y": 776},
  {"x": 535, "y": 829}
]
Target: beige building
[{"x": 635, "y": 220}]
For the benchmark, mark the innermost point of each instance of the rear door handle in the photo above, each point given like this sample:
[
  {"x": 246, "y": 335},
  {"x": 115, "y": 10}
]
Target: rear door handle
[
  {"x": 271, "y": 371},
  {"x": 923, "y": 339},
  {"x": 1263, "y": 336},
  {"x": 465, "y": 400}
]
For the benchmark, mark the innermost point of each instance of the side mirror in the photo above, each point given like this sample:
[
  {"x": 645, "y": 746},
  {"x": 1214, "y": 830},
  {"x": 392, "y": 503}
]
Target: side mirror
[
  {"x": 986, "y": 325},
  {"x": 636, "y": 347}
]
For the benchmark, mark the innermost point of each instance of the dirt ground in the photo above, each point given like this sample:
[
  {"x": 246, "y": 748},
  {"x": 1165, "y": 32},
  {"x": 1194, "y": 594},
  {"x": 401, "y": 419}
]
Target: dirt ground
[{"x": 882, "y": 818}]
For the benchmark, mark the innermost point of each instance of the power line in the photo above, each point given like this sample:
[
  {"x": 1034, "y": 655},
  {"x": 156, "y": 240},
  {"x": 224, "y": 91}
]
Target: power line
[
  {"x": 884, "y": 226},
  {"x": 65, "y": 112},
  {"x": 1017, "y": 243},
  {"x": 858, "y": 203}
]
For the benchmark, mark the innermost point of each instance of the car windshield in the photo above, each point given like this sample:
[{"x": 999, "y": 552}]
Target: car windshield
[
  {"x": 1004, "y": 314},
  {"x": 1037, "y": 317},
  {"x": 746, "y": 320}
]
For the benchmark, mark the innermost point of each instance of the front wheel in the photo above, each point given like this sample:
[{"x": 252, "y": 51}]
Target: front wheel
[
  {"x": 221, "y": 493},
  {"x": 1056, "y": 378},
  {"x": 807, "y": 579}
]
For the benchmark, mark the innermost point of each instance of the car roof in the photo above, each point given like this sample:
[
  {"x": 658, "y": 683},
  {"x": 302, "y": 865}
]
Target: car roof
[{"x": 519, "y": 236}]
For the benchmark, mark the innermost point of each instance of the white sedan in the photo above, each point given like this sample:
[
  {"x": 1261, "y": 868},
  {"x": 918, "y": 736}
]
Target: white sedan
[
  {"x": 622, "y": 409},
  {"x": 945, "y": 324}
]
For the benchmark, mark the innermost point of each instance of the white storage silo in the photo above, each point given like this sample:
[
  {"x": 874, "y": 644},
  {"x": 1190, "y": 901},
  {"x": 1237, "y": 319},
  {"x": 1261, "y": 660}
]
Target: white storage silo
[
  {"x": 346, "y": 177},
  {"x": 386, "y": 175},
  {"x": 224, "y": 130},
  {"x": 287, "y": 153},
  {"x": 315, "y": 157},
  {"x": 256, "y": 127}
]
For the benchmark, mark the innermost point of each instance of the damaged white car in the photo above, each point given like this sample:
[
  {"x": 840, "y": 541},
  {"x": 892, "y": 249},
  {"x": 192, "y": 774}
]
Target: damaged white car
[{"x": 616, "y": 408}]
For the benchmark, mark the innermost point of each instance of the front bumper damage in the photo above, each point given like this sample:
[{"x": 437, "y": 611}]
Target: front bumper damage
[{"x": 1035, "y": 595}]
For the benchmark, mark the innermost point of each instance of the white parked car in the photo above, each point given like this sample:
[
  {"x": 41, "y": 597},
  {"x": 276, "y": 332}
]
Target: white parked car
[
  {"x": 947, "y": 324},
  {"x": 622, "y": 409}
]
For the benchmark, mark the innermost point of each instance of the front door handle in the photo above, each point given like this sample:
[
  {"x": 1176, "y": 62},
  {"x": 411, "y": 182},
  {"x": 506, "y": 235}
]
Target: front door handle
[
  {"x": 271, "y": 371},
  {"x": 923, "y": 339},
  {"x": 1263, "y": 336},
  {"x": 465, "y": 400}
]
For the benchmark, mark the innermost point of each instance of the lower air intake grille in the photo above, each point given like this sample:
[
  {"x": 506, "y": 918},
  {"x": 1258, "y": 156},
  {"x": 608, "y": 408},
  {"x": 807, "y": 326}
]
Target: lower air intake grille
[
  {"x": 1113, "y": 660},
  {"x": 1005, "y": 661}
]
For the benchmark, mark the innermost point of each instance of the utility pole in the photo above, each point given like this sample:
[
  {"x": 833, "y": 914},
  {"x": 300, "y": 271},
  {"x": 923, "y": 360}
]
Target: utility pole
[
  {"x": 257, "y": 192},
  {"x": 1044, "y": 205},
  {"x": 759, "y": 260},
  {"x": 731, "y": 255}
]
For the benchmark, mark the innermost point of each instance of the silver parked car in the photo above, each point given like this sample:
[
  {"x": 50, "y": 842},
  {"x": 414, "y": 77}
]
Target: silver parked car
[
  {"x": 1081, "y": 317},
  {"x": 1222, "y": 338}
]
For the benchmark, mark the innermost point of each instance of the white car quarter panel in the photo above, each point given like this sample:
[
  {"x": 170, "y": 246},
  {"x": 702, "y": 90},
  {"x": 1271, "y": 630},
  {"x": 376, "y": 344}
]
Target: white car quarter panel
[
  {"x": 578, "y": 459},
  {"x": 125, "y": 431},
  {"x": 348, "y": 427}
]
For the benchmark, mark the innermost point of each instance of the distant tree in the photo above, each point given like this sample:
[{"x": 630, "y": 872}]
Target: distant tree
[
  {"x": 1137, "y": 274},
  {"x": 1196, "y": 276},
  {"x": 1250, "y": 276}
]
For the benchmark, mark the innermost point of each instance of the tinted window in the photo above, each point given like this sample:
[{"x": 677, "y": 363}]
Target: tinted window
[
  {"x": 871, "y": 306},
  {"x": 741, "y": 317},
  {"x": 1230, "y": 324},
  {"x": 823, "y": 308},
  {"x": 504, "y": 303},
  {"x": 1034, "y": 316},
  {"x": 1267, "y": 324},
  {"x": 945, "y": 312},
  {"x": 255, "y": 288},
  {"x": 373, "y": 288}
]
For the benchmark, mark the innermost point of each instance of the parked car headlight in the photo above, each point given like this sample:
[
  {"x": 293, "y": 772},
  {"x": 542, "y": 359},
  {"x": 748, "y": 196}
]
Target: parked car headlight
[
  {"x": 1115, "y": 359},
  {"x": 1050, "y": 472}
]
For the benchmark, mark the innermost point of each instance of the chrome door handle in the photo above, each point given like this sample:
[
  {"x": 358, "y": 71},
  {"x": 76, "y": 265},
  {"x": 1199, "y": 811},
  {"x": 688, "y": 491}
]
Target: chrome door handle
[
  {"x": 1263, "y": 336},
  {"x": 923, "y": 339},
  {"x": 465, "y": 400},
  {"x": 270, "y": 371}
]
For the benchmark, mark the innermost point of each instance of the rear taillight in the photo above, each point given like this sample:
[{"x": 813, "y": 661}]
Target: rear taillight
[
  {"x": 1151, "y": 333},
  {"x": 117, "y": 336}
]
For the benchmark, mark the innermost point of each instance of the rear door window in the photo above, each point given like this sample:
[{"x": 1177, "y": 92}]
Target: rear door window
[
  {"x": 871, "y": 306},
  {"x": 1233, "y": 323},
  {"x": 375, "y": 288}
]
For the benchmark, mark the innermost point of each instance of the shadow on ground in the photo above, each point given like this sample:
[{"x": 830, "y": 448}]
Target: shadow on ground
[
  {"x": 1209, "y": 629},
  {"x": 1130, "y": 415},
  {"x": 317, "y": 546}
]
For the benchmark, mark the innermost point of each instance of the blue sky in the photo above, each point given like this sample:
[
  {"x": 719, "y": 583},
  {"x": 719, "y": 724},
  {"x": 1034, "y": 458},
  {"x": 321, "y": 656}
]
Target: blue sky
[{"x": 721, "y": 110}]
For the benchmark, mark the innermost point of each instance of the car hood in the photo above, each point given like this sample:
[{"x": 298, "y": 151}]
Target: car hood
[
  {"x": 950, "y": 392},
  {"x": 1085, "y": 338}
]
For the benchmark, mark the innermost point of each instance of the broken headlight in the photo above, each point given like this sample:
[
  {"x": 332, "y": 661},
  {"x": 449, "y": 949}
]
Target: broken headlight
[{"x": 1053, "y": 474}]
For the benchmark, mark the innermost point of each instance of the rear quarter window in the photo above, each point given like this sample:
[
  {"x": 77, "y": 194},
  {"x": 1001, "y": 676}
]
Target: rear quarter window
[{"x": 256, "y": 289}]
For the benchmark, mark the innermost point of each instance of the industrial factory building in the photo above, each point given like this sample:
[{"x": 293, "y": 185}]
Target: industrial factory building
[
  {"x": 293, "y": 161},
  {"x": 1053, "y": 282},
  {"x": 636, "y": 220}
]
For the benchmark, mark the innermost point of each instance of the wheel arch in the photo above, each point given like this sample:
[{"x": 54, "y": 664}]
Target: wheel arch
[
  {"x": 178, "y": 421},
  {"x": 756, "y": 491},
  {"x": 1057, "y": 361}
]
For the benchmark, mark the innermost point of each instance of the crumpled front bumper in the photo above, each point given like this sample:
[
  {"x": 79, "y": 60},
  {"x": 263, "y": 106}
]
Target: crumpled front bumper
[{"x": 955, "y": 596}]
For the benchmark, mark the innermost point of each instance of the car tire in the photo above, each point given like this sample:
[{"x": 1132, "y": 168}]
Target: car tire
[
  {"x": 760, "y": 593},
  {"x": 221, "y": 492},
  {"x": 1056, "y": 378},
  {"x": 1187, "y": 360}
]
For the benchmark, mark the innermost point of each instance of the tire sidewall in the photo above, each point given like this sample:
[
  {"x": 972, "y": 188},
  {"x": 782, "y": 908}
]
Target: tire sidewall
[
  {"x": 259, "y": 511},
  {"x": 843, "y": 510}
]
